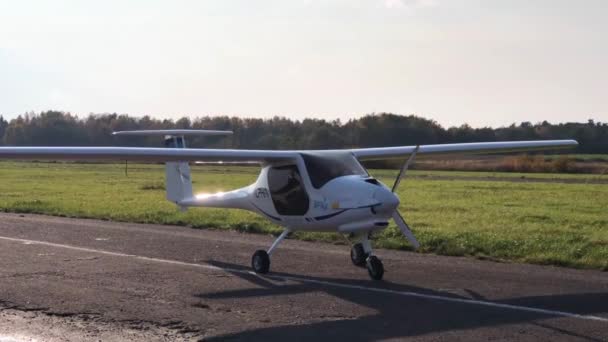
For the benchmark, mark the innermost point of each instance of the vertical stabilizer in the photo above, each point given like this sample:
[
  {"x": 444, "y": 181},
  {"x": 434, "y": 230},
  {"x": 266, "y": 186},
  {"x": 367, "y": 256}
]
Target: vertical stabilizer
[
  {"x": 177, "y": 174},
  {"x": 178, "y": 181}
]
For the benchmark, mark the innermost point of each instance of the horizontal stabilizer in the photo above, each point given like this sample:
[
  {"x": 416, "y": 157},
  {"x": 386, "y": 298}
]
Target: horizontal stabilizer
[{"x": 174, "y": 132}]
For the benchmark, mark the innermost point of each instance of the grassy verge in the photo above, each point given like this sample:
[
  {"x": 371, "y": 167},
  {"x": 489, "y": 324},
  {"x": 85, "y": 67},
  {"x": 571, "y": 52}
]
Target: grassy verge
[
  {"x": 579, "y": 157},
  {"x": 491, "y": 174},
  {"x": 545, "y": 223}
]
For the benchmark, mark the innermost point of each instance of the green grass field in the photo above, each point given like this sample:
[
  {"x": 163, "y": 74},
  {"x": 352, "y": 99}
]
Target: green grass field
[
  {"x": 481, "y": 174},
  {"x": 601, "y": 157},
  {"x": 545, "y": 223}
]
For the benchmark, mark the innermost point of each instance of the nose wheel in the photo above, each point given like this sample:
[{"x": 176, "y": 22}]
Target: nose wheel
[
  {"x": 361, "y": 255},
  {"x": 358, "y": 255},
  {"x": 374, "y": 267}
]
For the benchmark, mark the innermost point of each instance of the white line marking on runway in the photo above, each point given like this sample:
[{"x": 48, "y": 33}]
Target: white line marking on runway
[{"x": 320, "y": 282}]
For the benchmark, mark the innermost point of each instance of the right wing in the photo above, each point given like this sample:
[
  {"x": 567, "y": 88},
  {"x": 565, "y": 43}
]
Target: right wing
[{"x": 145, "y": 154}]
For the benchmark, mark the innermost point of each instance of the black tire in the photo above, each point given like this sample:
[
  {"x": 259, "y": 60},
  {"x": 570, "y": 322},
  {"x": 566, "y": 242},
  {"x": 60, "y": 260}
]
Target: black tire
[
  {"x": 260, "y": 262},
  {"x": 358, "y": 255},
  {"x": 375, "y": 267}
]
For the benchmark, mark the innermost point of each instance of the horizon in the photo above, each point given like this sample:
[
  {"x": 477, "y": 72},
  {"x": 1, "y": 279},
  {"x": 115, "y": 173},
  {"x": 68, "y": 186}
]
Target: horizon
[
  {"x": 341, "y": 121},
  {"x": 471, "y": 62}
]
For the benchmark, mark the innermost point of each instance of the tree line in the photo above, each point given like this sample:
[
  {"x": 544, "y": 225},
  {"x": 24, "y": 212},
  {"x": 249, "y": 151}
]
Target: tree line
[{"x": 56, "y": 128}]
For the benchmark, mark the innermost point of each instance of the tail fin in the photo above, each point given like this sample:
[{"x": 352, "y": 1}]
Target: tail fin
[
  {"x": 178, "y": 182},
  {"x": 177, "y": 174}
]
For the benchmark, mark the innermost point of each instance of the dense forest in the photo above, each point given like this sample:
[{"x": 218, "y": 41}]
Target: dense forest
[{"x": 54, "y": 128}]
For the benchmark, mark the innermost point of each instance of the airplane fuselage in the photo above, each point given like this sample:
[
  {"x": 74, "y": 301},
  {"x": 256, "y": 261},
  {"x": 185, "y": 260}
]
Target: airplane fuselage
[{"x": 346, "y": 200}]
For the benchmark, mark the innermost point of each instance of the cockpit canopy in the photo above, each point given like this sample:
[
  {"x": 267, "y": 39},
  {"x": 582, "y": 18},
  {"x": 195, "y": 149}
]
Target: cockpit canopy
[{"x": 323, "y": 167}]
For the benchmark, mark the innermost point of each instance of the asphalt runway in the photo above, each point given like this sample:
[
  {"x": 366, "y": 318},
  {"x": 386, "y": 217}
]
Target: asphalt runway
[{"x": 72, "y": 279}]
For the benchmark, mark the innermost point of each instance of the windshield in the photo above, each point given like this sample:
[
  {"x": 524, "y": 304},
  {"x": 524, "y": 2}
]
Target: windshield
[{"x": 324, "y": 167}]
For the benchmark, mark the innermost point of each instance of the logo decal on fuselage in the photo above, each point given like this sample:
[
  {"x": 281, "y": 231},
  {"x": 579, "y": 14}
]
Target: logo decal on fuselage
[
  {"x": 261, "y": 193},
  {"x": 319, "y": 205}
]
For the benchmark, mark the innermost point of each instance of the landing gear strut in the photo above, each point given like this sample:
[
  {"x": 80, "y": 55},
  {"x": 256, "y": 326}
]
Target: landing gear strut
[{"x": 260, "y": 261}]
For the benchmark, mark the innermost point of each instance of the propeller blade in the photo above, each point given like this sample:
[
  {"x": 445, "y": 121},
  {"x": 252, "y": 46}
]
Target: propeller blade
[
  {"x": 405, "y": 229},
  {"x": 404, "y": 168}
]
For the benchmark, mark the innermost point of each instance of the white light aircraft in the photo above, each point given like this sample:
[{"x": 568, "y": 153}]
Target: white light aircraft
[{"x": 322, "y": 190}]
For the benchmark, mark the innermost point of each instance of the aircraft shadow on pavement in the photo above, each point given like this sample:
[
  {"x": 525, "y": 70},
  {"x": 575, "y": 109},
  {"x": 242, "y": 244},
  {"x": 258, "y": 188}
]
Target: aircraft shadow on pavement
[{"x": 401, "y": 316}]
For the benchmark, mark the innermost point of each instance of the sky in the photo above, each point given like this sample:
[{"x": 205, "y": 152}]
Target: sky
[{"x": 481, "y": 62}]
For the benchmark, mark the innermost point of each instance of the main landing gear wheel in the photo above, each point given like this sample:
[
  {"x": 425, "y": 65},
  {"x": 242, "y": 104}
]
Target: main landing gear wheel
[
  {"x": 374, "y": 267},
  {"x": 358, "y": 255},
  {"x": 260, "y": 262}
]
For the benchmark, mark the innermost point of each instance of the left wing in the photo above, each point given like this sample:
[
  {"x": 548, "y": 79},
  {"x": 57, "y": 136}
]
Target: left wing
[{"x": 468, "y": 148}]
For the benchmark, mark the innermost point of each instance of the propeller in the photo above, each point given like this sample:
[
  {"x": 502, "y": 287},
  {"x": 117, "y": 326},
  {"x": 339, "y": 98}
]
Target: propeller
[
  {"x": 399, "y": 220},
  {"x": 404, "y": 168},
  {"x": 405, "y": 229}
]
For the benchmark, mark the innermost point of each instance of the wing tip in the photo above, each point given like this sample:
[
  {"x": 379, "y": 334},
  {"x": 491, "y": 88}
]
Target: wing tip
[{"x": 568, "y": 143}]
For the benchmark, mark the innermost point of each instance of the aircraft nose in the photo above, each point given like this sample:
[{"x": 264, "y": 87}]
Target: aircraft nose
[{"x": 389, "y": 201}]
